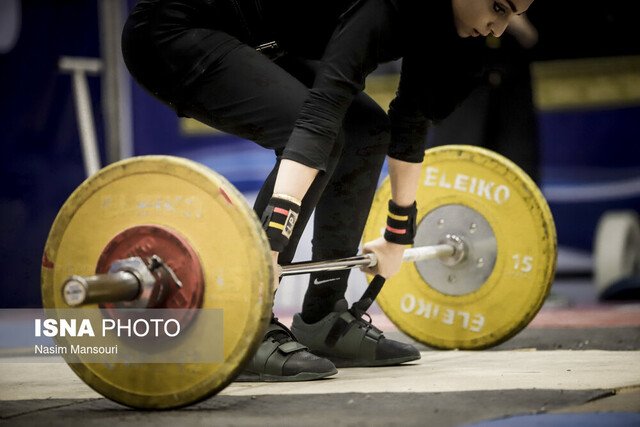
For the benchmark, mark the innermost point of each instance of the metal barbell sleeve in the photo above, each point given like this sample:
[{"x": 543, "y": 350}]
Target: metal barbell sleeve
[{"x": 112, "y": 287}]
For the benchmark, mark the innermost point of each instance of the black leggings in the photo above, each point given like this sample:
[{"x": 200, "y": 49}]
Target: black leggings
[{"x": 246, "y": 94}]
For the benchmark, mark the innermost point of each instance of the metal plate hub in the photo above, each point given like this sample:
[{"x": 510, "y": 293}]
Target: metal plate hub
[
  {"x": 475, "y": 256},
  {"x": 147, "y": 241}
]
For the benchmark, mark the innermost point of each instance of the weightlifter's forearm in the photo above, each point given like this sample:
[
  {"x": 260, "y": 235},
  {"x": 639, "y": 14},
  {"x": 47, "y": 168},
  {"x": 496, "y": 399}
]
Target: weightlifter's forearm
[
  {"x": 294, "y": 179},
  {"x": 404, "y": 181}
]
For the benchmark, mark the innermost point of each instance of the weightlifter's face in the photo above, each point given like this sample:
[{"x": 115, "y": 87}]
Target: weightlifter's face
[{"x": 474, "y": 18}]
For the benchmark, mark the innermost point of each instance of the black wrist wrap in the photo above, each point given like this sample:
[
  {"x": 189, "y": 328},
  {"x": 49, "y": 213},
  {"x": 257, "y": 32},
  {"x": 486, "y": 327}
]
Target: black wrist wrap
[
  {"x": 278, "y": 220},
  {"x": 401, "y": 224}
]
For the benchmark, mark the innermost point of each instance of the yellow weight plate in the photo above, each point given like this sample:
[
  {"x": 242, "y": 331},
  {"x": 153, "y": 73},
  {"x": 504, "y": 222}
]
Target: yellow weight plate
[
  {"x": 214, "y": 218},
  {"x": 481, "y": 200}
]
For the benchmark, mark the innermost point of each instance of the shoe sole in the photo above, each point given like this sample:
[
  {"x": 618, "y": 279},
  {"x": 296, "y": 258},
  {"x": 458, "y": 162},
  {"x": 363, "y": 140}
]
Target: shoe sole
[
  {"x": 355, "y": 363},
  {"x": 302, "y": 376}
]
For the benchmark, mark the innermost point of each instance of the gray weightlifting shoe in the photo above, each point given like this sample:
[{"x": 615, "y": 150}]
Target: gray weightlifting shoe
[
  {"x": 281, "y": 358},
  {"x": 349, "y": 341}
]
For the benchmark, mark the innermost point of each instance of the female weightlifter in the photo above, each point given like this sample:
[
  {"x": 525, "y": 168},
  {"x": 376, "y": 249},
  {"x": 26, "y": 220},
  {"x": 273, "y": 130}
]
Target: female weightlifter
[{"x": 290, "y": 75}]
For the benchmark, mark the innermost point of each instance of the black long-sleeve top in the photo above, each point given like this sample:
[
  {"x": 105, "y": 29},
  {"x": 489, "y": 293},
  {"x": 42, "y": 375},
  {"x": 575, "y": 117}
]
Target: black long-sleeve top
[
  {"x": 438, "y": 68},
  {"x": 350, "y": 38}
]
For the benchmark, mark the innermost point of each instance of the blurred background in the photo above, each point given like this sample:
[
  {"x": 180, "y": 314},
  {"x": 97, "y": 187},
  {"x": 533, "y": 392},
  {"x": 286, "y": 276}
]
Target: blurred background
[{"x": 574, "y": 126}]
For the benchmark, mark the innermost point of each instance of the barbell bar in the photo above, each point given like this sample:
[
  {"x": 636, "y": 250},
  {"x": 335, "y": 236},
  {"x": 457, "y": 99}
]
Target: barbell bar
[
  {"x": 366, "y": 260},
  {"x": 126, "y": 282}
]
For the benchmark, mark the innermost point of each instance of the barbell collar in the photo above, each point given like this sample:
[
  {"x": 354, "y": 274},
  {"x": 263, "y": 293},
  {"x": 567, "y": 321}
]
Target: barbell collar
[{"x": 366, "y": 260}]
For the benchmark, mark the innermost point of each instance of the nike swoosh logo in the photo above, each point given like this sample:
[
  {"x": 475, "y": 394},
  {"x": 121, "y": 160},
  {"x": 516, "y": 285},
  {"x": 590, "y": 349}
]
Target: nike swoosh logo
[{"x": 320, "y": 282}]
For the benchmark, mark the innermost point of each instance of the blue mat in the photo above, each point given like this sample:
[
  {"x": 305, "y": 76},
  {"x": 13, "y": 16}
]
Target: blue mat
[{"x": 609, "y": 419}]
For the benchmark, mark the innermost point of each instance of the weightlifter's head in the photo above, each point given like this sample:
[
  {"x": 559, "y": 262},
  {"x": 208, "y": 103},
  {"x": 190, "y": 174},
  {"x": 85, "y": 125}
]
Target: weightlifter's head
[{"x": 474, "y": 18}]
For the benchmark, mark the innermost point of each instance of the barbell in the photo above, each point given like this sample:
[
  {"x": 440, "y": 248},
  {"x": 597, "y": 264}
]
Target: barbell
[{"x": 161, "y": 232}]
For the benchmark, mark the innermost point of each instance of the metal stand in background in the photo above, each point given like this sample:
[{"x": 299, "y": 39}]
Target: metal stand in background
[
  {"x": 79, "y": 68},
  {"x": 115, "y": 91},
  {"x": 116, "y": 88}
]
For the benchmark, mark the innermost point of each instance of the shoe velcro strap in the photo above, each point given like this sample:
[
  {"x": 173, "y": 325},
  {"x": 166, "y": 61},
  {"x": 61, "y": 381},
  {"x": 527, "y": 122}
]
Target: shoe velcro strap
[
  {"x": 367, "y": 347},
  {"x": 374, "y": 332},
  {"x": 291, "y": 347},
  {"x": 354, "y": 337},
  {"x": 274, "y": 364},
  {"x": 264, "y": 354},
  {"x": 338, "y": 329},
  {"x": 274, "y": 355},
  {"x": 369, "y": 295}
]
